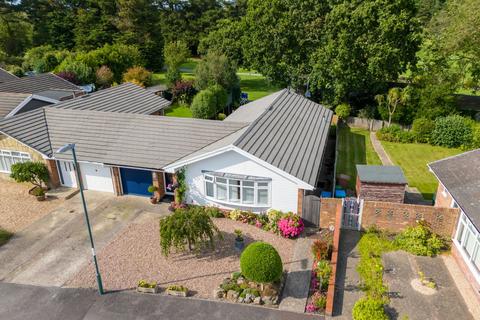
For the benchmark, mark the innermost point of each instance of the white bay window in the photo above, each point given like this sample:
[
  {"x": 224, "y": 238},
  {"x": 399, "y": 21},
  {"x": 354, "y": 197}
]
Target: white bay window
[
  {"x": 237, "y": 189},
  {"x": 7, "y": 158},
  {"x": 468, "y": 238}
]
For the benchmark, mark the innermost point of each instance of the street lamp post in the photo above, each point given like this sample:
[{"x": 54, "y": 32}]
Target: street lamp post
[{"x": 71, "y": 147}]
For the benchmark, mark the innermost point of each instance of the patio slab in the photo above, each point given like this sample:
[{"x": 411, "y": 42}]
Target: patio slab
[{"x": 401, "y": 268}]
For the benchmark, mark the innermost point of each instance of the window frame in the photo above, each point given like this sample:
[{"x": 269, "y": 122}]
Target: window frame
[
  {"x": 241, "y": 187},
  {"x": 464, "y": 227},
  {"x": 21, "y": 157}
]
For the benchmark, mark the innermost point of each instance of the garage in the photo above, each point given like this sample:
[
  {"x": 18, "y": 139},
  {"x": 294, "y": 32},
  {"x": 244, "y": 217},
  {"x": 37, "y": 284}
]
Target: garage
[
  {"x": 136, "y": 181},
  {"x": 95, "y": 177}
]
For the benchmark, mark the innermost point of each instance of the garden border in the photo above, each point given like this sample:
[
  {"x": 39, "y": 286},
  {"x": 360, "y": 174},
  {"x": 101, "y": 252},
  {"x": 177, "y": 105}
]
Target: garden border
[{"x": 334, "y": 261}]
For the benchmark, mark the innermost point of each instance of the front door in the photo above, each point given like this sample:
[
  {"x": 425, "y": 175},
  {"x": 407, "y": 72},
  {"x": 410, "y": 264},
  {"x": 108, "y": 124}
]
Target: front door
[{"x": 67, "y": 174}]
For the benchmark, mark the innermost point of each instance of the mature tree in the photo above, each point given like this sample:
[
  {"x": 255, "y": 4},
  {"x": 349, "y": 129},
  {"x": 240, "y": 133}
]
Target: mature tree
[
  {"x": 175, "y": 53},
  {"x": 15, "y": 31},
  {"x": 216, "y": 69},
  {"x": 139, "y": 24},
  {"x": 366, "y": 43},
  {"x": 391, "y": 103},
  {"x": 281, "y": 36}
]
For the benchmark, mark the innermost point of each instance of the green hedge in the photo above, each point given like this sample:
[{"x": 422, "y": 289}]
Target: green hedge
[{"x": 260, "y": 262}]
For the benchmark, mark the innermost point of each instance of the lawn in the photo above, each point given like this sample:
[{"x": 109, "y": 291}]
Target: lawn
[
  {"x": 178, "y": 111},
  {"x": 413, "y": 158},
  {"x": 354, "y": 147}
]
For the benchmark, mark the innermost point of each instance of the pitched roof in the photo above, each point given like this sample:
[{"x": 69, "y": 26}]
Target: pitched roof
[
  {"x": 461, "y": 177},
  {"x": 115, "y": 138},
  {"x": 291, "y": 134},
  {"x": 251, "y": 111},
  {"x": 125, "y": 98},
  {"x": 38, "y": 83},
  {"x": 381, "y": 174},
  {"x": 6, "y": 76},
  {"x": 9, "y": 101}
]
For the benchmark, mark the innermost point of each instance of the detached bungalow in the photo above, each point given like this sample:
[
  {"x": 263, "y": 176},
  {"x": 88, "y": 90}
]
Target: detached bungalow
[
  {"x": 459, "y": 187},
  {"x": 267, "y": 161}
]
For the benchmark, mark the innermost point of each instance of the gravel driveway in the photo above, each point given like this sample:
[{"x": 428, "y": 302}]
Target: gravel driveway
[
  {"x": 18, "y": 209},
  {"x": 135, "y": 255}
]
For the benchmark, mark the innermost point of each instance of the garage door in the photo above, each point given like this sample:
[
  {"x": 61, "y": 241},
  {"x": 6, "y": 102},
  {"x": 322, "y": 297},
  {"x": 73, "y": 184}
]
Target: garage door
[
  {"x": 136, "y": 181},
  {"x": 96, "y": 177}
]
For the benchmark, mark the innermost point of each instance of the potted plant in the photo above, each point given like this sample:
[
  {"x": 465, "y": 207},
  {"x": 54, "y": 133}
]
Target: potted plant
[
  {"x": 239, "y": 241},
  {"x": 179, "y": 291},
  {"x": 147, "y": 287},
  {"x": 39, "y": 193},
  {"x": 152, "y": 189}
]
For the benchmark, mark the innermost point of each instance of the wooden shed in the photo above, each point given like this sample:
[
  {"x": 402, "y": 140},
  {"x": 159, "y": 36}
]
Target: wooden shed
[{"x": 381, "y": 183}]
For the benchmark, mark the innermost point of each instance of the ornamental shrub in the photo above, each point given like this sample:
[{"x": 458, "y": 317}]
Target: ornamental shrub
[
  {"x": 104, "y": 77},
  {"x": 138, "y": 75},
  {"x": 369, "y": 309},
  {"x": 323, "y": 271},
  {"x": 419, "y": 240},
  {"x": 422, "y": 129},
  {"x": 452, "y": 132},
  {"x": 343, "y": 111},
  {"x": 189, "y": 227},
  {"x": 321, "y": 249},
  {"x": 82, "y": 71},
  {"x": 395, "y": 133},
  {"x": 260, "y": 262},
  {"x": 34, "y": 172},
  {"x": 183, "y": 92},
  {"x": 273, "y": 217},
  {"x": 207, "y": 103},
  {"x": 69, "y": 76},
  {"x": 290, "y": 225}
]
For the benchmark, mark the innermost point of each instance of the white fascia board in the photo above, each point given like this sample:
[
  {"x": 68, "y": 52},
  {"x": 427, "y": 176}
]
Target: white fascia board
[
  {"x": 176, "y": 165},
  {"x": 19, "y": 106},
  {"x": 45, "y": 99}
]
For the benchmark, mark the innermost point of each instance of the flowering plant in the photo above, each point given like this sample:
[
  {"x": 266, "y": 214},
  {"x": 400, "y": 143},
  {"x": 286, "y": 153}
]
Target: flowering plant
[
  {"x": 310, "y": 308},
  {"x": 290, "y": 225}
]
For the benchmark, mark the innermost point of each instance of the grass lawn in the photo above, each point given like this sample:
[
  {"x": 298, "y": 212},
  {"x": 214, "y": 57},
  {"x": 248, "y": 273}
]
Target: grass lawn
[
  {"x": 413, "y": 159},
  {"x": 354, "y": 147},
  {"x": 4, "y": 236},
  {"x": 178, "y": 111}
]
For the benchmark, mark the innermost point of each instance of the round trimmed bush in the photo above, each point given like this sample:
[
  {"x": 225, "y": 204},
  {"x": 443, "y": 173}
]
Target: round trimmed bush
[
  {"x": 260, "y": 262},
  {"x": 369, "y": 309}
]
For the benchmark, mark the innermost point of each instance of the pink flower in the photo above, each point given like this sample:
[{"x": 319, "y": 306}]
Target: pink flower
[
  {"x": 310, "y": 308},
  {"x": 258, "y": 224},
  {"x": 291, "y": 226}
]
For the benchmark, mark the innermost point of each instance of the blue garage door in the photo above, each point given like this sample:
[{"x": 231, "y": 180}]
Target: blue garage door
[{"x": 136, "y": 181}]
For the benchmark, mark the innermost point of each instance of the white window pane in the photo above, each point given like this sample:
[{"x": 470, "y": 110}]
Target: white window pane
[
  {"x": 234, "y": 194},
  {"x": 476, "y": 260},
  {"x": 3, "y": 166},
  {"x": 248, "y": 195},
  {"x": 469, "y": 244},
  {"x": 209, "y": 189},
  {"x": 234, "y": 182},
  {"x": 262, "y": 196},
  {"x": 262, "y": 184},
  {"x": 461, "y": 229},
  {"x": 221, "y": 192},
  {"x": 248, "y": 183},
  {"x": 208, "y": 178},
  {"x": 221, "y": 180}
]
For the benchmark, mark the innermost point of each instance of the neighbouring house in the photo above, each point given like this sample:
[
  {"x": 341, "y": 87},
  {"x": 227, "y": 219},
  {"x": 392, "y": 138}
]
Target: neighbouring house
[
  {"x": 266, "y": 162},
  {"x": 16, "y": 103},
  {"x": 381, "y": 183},
  {"x": 6, "y": 76},
  {"x": 459, "y": 187}
]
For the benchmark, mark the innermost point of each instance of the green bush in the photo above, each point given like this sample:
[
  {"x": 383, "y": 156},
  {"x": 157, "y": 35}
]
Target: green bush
[
  {"x": 476, "y": 137},
  {"x": 34, "y": 172},
  {"x": 216, "y": 69},
  {"x": 343, "y": 111},
  {"x": 221, "y": 116},
  {"x": 419, "y": 240},
  {"x": 207, "y": 103},
  {"x": 369, "y": 309},
  {"x": 214, "y": 212},
  {"x": 395, "y": 133},
  {"x": 422, "y": 129},
  {"x": 190, "y": 227},
  {"x": 260, "y": 262},
  {"x": 104, "y": 77},
  {"x": 83, "y": 73},
  {"x": 323, "y": 270},
  {"x": 138, "y": 75},
  {"x": 452, "y": 132}
]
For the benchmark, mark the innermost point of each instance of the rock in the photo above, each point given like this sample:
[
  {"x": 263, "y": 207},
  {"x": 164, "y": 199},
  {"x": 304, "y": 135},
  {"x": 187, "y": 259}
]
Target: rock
[
  {"x": 275, "y": 300},
  {"x": 240, "y": 280},
  {"x": 232, "y": 295},
  {"x": 226, "y": 281},
  {"x": 218, "y": 293},
  {"x": 267, "y": 300},
  {"x": 249, "y": 298},
  {"x": 253, "y": 285},
  {"x": 257, "y": 300},
  {"x": 240, "y": 300}
]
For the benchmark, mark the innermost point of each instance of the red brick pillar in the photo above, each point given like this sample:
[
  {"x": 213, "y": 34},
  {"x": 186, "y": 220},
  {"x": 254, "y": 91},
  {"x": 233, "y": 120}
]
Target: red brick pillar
[
  {"x": 159, "y": 182},
  {"x": 300, "y": 202},
  {"x": 117, "y": 183},
  {"x": 53, "y": 173}
]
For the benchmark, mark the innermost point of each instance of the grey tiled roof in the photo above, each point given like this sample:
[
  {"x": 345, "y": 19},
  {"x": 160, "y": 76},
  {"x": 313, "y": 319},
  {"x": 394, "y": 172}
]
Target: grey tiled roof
[
  {"x": 461, "y": 176},
  {"x": 6, "y": 76},
  {"x": 38, "y": 83},
  {"x": 381, "y": 174},
  {"x": 251, "y": 111},
  {"x": 9, "y": 101},
  {"x": 116, "y": 138},
  {"x": 291, "y": 134},
  {"x": 125, "y": 98}
]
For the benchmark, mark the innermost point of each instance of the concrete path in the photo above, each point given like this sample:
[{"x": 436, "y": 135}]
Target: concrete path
[
  {"x": 51, "y": 250},
  {"x": 52, "y": 303},
  {"x": 348, "y": 281},
  {"x": 297, "y": 285},
  {"x": 382, "y": 154}
]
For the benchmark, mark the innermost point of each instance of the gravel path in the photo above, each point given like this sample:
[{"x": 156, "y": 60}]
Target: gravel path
[
  {"x": 135, "y": 254},
  {"x": 18, "y": 209}
]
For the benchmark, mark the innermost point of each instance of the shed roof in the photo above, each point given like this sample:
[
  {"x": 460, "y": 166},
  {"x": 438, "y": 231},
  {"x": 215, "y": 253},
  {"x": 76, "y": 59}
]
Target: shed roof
[
  {"x": 6, "y": 76},
  {"x": 381, "y": 174},
  {"x": 115, "y": 138},
  {"x": 461, "y": 177},
  {"x": 125, "y": 98},
  {"x": 38, "y": 83},
  {"x": 9, "y": 101},
  {"x": 291, "y": 134}
]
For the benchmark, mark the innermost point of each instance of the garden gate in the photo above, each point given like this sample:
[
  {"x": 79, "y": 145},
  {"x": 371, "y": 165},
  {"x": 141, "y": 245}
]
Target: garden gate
[
  {"x": 311, "y": 209},
  {"x": 352, "y": 213}
]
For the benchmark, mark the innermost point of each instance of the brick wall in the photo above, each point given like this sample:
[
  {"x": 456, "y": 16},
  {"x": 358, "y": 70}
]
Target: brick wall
[
  {"x": 395, "y": 217},
  {"x": 380, "y": 191},
  {"x": 328, "y": 208},
  {"x": 443, "y": 199},
  {"x": 334, "y": 260},
  {"x": 53, "y": 172},
  {"x": 158, "y": 181},
  {"x": 300, "y": 201},
  {"x": 466, "y": 271},
  {"x": 117, "y": 183}
]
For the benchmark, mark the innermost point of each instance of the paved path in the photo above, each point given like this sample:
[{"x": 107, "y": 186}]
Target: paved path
[
  {"x": 295, "y": 293},
  {"x": 51, "y": 250},
  {"x": 386, "y": 161},
  {"x": 348, "y": 281},
  {"x": 52, "y": 303}
]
